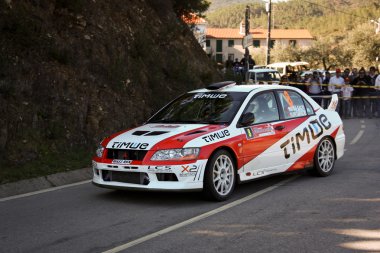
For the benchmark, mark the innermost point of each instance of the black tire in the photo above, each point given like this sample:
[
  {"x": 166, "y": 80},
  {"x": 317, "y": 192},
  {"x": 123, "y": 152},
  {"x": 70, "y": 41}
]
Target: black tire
[
  {"x": 324, "y": 158},
  {"x": 220, "y": 164}
]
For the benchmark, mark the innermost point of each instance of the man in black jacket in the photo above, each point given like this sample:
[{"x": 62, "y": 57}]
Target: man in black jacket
[{"x": 362, "y": 105}]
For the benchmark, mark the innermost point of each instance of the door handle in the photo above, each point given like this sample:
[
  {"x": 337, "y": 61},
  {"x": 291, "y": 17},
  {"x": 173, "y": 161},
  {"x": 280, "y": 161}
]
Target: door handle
[{"x": 279, "y": 128}]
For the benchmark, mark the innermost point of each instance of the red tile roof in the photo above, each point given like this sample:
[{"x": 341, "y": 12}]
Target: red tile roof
[{"x": 233, "y": 33}]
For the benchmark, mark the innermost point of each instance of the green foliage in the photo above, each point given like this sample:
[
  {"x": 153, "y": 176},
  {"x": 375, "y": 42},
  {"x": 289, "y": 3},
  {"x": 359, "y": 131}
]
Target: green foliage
[
  {"x": 362, "y": 45},
  {"x": 186, "y": 7},
  {"x": 281, "y": 53},
  {"x": 321, "y": 17}
]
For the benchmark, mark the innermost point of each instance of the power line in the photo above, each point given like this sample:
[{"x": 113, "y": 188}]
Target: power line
[{"x": 347, "y": 13}]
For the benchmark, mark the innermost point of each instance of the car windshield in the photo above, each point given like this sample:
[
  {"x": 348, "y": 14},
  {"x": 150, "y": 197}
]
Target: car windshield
[{"x": 201, "y": 108}]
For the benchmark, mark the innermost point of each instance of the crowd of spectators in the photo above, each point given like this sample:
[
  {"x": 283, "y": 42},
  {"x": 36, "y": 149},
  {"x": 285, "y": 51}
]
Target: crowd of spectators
[{"x": 358, "y": 90}]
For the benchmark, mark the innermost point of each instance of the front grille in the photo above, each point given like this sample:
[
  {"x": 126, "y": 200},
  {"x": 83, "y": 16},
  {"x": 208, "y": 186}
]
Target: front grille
[
  {"x": 126, "y": 154},
  {"x": 167, "y": 177},
  {"x": 125, "y": 177}
]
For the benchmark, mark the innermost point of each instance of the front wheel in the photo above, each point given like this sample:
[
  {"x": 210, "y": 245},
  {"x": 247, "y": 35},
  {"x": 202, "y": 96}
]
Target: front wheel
[
  {"x": 220, "y": 176},
  {"x": 324, "y": 157}
]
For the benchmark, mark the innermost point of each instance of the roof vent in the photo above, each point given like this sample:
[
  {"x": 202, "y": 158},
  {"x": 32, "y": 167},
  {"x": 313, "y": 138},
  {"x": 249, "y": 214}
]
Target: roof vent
[{"x": 217, "y": 86}]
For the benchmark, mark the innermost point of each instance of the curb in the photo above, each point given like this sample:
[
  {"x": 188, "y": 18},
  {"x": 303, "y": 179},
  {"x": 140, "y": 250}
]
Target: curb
[{"x": 45, "y": 182}]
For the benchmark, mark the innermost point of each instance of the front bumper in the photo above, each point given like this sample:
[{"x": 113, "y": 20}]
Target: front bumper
[{"x": 149, "y": 177}]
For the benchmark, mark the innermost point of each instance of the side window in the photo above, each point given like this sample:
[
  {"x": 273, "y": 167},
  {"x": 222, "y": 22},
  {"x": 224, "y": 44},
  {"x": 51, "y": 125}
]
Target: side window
[
  {"x": 309, "y": 108},
  {"x": 263, "y": 107},
  {"x": 292, "y": 104}
]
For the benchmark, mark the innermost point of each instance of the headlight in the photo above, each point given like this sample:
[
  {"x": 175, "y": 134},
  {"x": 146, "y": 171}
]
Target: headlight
[
  {"x": 181, "y": 154},
  {"x": 99, "y": 151}
]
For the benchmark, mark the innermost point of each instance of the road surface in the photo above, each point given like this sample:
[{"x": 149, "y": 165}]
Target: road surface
[{"x": 289, "y": 213}]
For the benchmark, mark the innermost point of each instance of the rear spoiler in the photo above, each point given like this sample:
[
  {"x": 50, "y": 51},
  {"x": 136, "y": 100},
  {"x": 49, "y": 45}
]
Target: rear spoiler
[{"x": 334, "y": 103}]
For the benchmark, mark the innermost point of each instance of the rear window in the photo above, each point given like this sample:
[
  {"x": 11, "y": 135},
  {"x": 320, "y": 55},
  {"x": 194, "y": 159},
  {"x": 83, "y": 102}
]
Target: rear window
[{"x": 292, "y": 104}]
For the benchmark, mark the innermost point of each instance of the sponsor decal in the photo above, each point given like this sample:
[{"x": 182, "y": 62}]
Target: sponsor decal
[
  {"x": 259, "y": 131},
  {"x": 188, "y": 170},
  {"x": 130, "y": 145},
  {"x": 166, "y": 126},
  {"x": 288, "y": 99},
  {"x": 210, "y": 95},
  {"x": 296, "y": 111},
  {"x": 160, "y": 169},
  {"x": 216, "y": 136},
  {"x": 310, "y": 132},
  {"x": 119, "y": 161}
]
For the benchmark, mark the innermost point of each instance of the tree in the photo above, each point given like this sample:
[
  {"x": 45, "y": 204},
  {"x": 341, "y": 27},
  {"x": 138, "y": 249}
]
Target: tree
[
  {"x": 363, "y": 45},
  {"x": 326, "y": 52},
  {"x": 281, "y": 53},
  {"x": 184, "y": 8}
]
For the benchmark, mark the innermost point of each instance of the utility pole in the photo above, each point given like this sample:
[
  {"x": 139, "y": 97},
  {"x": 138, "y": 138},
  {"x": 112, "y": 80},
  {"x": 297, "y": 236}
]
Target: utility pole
[
  {"x": 246, "y": 55},
  {"x": 268, "y": 6}
]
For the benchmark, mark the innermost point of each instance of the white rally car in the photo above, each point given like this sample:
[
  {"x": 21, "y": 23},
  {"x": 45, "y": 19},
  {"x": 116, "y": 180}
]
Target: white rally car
[{"x": 213, "y": 138}]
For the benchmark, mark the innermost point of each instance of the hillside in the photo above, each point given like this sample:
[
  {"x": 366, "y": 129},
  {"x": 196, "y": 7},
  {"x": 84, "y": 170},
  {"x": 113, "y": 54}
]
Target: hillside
[
  {"x": 321, "y": 17},
  {"x": 75, "y": 71},
  {"x": 219, "y": 4}
]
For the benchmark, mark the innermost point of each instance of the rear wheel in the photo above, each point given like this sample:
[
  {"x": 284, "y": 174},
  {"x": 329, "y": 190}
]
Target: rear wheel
[
  {"x": 220, "y": 176},
  {"x": 324, "y": 157}
]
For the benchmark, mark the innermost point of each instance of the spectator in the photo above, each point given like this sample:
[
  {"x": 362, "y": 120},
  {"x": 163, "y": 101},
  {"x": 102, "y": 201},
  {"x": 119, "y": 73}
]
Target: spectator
[
  {"x": 315, "y": 87},
  {"x": 325, "y": 91},
  {"x": 229, "y": 64},
  {"x": 335, "y": 85},
  {"x": 353, "y": 74},
  {"x": 237, "y": 66},
  {"x": 297, "y": 81},
  {"x": 346, "y": 73},
  {"x": 284, "y": 80},
  {"x": 251, "y": 62},
  {"x": 346, "y": 98},
  {"x": 362, "y": 105}
]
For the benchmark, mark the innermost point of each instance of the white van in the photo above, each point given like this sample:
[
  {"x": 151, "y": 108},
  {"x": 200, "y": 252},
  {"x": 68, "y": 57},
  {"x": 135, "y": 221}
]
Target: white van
[{"x": 285, "y": 68}]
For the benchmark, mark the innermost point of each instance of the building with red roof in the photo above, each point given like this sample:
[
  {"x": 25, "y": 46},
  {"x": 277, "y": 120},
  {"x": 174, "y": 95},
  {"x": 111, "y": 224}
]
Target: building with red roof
[{"x": 226, "y": 43}]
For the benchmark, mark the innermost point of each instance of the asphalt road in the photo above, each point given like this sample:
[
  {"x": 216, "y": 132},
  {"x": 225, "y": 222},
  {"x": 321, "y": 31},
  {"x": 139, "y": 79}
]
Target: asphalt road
[{"x": 340, "y": 213}]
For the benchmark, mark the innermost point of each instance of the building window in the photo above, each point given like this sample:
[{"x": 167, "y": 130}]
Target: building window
[
  {"x": 207, "y": 43},
  {"x": 231, "y": 57},
  {"x": 292, "y": 43},
  {"x": 272, "y": 42},
  {"x": 219, "y": 58},
  {"x": 256, "y": 43},
  {"x": 219, "y": 46},
  {"x": 231, "y": 43}
]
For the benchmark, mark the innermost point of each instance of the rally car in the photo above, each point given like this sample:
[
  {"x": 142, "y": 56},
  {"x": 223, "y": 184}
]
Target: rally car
[{"x": 213, "y": 138}]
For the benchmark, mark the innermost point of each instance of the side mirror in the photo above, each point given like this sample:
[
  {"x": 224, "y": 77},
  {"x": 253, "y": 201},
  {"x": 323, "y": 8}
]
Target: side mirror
[{"x": 247, "y": 119}]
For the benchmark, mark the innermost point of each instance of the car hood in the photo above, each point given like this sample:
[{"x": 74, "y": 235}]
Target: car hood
[{"x": 158, "y": 136}]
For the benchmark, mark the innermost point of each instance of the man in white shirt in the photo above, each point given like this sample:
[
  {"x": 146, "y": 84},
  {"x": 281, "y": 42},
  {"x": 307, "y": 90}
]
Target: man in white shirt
[{"x": 335, "y": 85}]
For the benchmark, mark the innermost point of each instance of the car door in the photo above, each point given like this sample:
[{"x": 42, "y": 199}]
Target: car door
[
  {"x": 262, "y": 133},
  {"x": 262, "y": 148},
  {"x": 296, "y": 113}
]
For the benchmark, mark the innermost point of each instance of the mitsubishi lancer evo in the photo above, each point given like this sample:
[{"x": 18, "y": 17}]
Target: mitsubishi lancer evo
[{"x": 214, "y": 138}]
